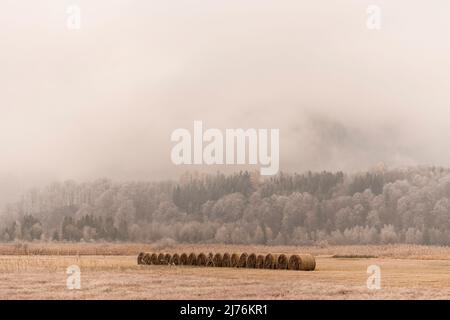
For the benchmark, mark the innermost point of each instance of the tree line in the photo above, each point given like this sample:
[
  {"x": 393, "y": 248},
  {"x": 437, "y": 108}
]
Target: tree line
[{"x": 409, "y": 205}]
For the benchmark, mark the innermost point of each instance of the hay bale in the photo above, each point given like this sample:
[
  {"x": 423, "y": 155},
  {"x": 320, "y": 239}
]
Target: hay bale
[
  {"x": 251, "y": 261},
  {"x": 192, "y": 259},
  {"x": 308, "y": 262},
  {"x": 175, "y": 260},
  {"x": 210, "y": 260},
  {"x": 270, "y": 261},
  {"x": 282, "y": 262},
  {"x": 226, "y": 260},
  {"x": 140, "y": 258},
  {"x": 161, "y": 258},
  {"x": 167, "y": 258},
  {"x": 147, "y": 259},
  {"x": 154, "y": 259},
  {"x": 217, "y": 260},
  {"x": 259, "y": 262},
  {"x": 304, "y": 262},
  {"x": 275, "y": 261},
  {"x": 242, "y": 260},
  {"x": 234, "y": 260},
  {"x": 183, "y": 259},
  {"x": 202, "y": 260}
]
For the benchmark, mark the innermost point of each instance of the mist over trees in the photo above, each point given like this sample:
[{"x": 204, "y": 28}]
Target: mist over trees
[{"x": 381, "y": 206}]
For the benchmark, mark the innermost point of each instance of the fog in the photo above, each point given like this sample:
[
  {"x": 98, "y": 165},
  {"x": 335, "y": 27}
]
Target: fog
[{"x": 102, "y": 101}]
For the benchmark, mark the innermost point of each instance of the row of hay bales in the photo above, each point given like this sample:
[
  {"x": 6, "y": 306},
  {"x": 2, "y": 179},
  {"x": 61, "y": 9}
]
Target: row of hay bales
[{"x": 304, "y": 262}]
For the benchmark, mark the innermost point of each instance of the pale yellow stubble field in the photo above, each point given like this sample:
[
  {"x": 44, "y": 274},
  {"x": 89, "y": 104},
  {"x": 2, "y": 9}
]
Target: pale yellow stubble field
[{"x": 110, "y": 271}]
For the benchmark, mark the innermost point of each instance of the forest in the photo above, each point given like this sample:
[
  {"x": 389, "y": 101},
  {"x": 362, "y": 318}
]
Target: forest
[{"x": 380, "y": 206}]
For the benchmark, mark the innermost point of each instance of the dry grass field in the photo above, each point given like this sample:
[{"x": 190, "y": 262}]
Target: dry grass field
[{"x": 110, "y": 271}]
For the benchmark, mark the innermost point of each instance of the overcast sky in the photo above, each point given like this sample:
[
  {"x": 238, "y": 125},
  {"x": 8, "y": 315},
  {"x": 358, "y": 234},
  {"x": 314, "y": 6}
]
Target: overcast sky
[{"x": 102, "y": 101}]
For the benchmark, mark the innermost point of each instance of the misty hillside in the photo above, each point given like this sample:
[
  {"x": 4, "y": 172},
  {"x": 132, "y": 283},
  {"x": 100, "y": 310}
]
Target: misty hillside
[{"x": 380, "y": 206}]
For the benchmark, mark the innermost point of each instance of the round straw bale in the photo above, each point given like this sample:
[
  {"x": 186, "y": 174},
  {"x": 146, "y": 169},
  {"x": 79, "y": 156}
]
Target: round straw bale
[
  {"x": 202, "y": 260},
  {"x": 147, "y": 259},
  {"x": 275, "y": 261},
  {"x": 259, "y": 261},
  {"x": 282, "y": 262},
  {"x": 234, "y": 260},
  {"x": 242, "y": 260},
  {"x": 210, "y": 260},
  {"x": 270, "y": 261},
  {"x": 183, "y": 259},
  {"x": 218, "y": 260},
  {"x": 140, "y": 258},
  {"x": 167, "y": 258},
  {"x": 226, "y": 260},
  {"x": 154, "y": 258},
  {"x": 294, "y": 262},
  {"x": 175, "y": 260},
  {"x": 251, "y": 261},
  {"x": 162, "y": 258},
  {"x": 192, "y": 259},
  {"x": 304, "y": 262}
]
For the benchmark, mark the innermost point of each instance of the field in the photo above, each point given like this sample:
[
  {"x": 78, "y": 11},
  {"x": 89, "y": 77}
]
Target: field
[{"x": 110, "y": 271}]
